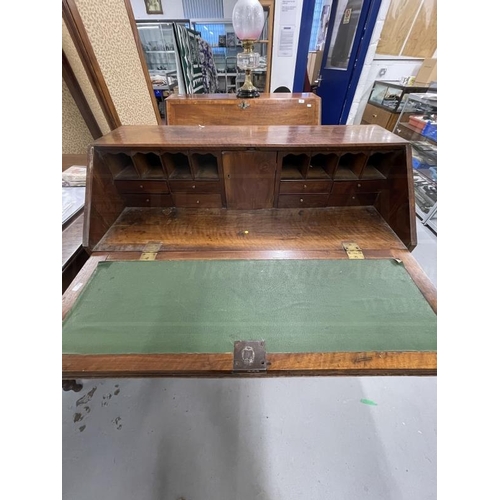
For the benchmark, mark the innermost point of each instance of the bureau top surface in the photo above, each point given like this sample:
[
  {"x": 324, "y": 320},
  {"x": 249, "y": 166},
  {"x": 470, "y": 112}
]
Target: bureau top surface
[
  {"x": 194, "y": 98},
  {"x": 279, "y": 136}
]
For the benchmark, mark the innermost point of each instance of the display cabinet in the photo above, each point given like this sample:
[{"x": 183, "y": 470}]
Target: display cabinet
[
  {"x": 418, "y": 123},
  {"x": 158, "y": 45},
  {"x": 387, "y": 99},
  {"x": 219, "y": 33}
]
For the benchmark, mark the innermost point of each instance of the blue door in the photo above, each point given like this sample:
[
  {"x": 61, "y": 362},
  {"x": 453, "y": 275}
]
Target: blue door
[{"x": 349, "y": 32}]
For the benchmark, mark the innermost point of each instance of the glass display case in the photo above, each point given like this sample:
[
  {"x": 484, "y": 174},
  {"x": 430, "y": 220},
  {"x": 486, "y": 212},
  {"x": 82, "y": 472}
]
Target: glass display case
[
  {"x": 158, "y": 45},
  {"x": 219, "y": 33},
  {"x": 391, "y": 95},
  {"x": 418, "y": 123}
]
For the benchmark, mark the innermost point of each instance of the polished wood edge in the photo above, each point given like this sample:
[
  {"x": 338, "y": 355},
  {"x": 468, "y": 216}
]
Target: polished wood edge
[
  {"x": 82, "y": 43},
  {"x": 78, "y": 284},
  {"x": 411, "y": 199},
  {"x": 140, "y": 52},
  {"x": 289, "y": 364},
  {"x": 79, "y": 98},
  {"x": 88, "y": 199},
  {"x": 249, "y": 254},
  {"x": 424, "y": 284}
]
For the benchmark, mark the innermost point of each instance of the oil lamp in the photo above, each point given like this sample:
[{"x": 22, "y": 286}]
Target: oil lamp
[{"x": 248, "y": 21}]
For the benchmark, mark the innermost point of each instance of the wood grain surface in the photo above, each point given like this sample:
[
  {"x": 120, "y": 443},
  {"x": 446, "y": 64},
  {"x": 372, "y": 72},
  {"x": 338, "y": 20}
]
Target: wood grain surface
[
  {"x": 397, "y": 25},
  {"x": 249, "y": 178},
  {"x": 288, "y": 364},
  {"x": 271, "y": 229},
  {"x": 227, "y": 109},
  {"x": 422, "y": 41},
  {"x": 302, "y": 137}
]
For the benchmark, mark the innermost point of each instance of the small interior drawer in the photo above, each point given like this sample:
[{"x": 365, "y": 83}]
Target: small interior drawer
[
  {"x": 297, "y": 187},
  {"x": 141, "y": 186},
  {"x": 306, "y": 200},
  {"x": 195, "y": 186},
  {"x": 148, "y": 200},
  {"x": 352, "y": 199},
  {"x": 188, "y": 200},
  {"x": 358, "y": 186}
]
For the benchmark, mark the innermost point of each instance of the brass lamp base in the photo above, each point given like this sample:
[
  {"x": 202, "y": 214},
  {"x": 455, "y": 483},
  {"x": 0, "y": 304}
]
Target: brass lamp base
[{"x": 247, "y": 94}]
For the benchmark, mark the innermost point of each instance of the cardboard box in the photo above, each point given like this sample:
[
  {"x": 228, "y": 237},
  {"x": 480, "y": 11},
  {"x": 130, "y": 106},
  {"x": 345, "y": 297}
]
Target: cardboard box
[
  {"x": 314, "y": 65},
  {"x": 427, "y": 72}
]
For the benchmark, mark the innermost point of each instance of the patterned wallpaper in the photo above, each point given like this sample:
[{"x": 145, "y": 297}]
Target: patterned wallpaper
[
  {"x": 76, "y": 65},
  {"x": 108, "y": 28},
  {"x": 75, "y": 134}
]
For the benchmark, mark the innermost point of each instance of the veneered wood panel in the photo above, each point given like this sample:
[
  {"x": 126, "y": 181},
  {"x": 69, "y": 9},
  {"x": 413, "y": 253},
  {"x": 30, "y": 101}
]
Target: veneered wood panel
[
  {"x": 397, "y": 25},
  {"x": 422, "y": 41},
  {"x": 249, "y": 178},
  {"x": 272, "y": 229},
  {"x": 282, "y": 137},
  {"x": 227, "y": 109}
]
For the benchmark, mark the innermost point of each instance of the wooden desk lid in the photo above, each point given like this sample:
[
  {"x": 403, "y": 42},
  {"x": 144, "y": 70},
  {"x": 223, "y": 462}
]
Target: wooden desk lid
[{"x": 256, "y": 136}]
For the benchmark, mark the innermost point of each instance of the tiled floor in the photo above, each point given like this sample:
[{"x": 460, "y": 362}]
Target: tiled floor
[{"x": 286, "y": 438}]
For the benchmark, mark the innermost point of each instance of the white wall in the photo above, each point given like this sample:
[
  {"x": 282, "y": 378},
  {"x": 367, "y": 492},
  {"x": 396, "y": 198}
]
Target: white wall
[{"x": 283, "y": 67}]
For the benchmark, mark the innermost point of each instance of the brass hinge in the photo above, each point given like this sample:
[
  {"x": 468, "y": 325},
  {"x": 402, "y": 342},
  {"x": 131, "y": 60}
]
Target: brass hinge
[
  {"x": 353, "y": 251},
  {"x": 249, "y": 356},
  {"x": 150, "y": 250}
]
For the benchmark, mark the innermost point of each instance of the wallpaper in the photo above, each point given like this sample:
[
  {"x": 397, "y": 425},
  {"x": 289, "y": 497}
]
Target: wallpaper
[
  {"x": 75, "y": 134},
  {"x": 76, "y": 65},
  {"x": 108, "y": 28}
]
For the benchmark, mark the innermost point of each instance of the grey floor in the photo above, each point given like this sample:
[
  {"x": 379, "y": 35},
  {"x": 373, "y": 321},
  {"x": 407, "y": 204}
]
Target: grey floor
[{"x": 286, "y": 438}]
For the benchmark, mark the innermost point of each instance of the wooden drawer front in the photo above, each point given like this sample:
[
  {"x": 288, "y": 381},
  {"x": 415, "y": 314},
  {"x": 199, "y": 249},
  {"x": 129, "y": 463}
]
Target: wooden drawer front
[
  {"x": 343, "y": 187},
  {"x": 306, "y": 200},
  {"x": 195, "y": 186},
  {"x": 142, "y": 186},
  {"x": 188, "y": 200},
  {"x": 376, "y": 116},
  {"x": 352, "y": 199},
  {"x": 297, "y": 187},
  {"x": 148, "y": 200}
]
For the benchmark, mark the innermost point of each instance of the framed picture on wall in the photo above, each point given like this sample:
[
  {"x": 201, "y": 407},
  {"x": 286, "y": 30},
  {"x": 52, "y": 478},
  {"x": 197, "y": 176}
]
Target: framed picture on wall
[{"x": 153, "y": 7}]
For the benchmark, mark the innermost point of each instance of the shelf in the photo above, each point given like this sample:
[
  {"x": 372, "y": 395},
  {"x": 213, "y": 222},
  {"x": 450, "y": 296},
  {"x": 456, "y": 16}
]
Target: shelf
[{"x": 159, "y": 51}]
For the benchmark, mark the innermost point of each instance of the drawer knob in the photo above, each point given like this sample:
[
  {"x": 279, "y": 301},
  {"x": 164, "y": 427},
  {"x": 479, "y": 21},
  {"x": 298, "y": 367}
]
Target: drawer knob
[
  {"x": 301, "y": 200},
  {"x": 194, "y": 186},
  {"x": 305, "y": 185},
  {"x": 359, "y": 185},
  {"x": 147, "y": 201},
  {"x": 197, "y": 201},
  {"x": 141, "y": 186}
]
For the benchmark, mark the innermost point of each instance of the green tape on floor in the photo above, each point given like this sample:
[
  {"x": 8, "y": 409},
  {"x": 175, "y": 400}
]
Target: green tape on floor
[{"x": 294, "y": 305}]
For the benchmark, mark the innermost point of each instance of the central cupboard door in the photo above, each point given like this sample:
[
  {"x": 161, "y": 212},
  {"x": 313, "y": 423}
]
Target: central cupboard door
[{"x": 249, "y": 178}]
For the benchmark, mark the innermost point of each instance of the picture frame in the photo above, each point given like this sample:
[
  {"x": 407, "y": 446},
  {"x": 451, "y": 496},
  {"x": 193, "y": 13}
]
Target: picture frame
[{"x": 153, "y": 7}]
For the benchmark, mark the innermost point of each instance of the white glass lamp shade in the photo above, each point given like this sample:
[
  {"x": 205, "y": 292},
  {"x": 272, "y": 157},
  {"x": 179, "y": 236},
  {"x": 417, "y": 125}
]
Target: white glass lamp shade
[{"x": 248, "y": 19}]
